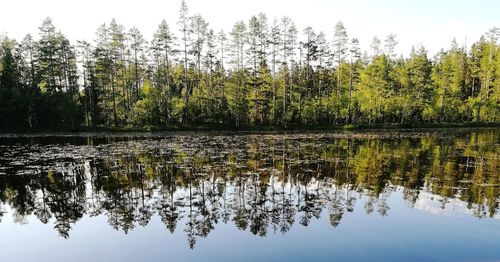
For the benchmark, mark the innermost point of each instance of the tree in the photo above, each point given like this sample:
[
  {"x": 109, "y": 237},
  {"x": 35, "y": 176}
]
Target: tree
[
  {"x": 238, "y": 101},
  {"x": 111, "y": 70},
  {"x": 186, "y": 31},
  {"x": 14, "y": 104},
  {"x": 28, "y": 49},
  {"x": 8, "y": 73},
  {"x": 47, "y": 63},
  {"x": 274, "y": 41},
  {"x": 390, "y": 44},
  {"x": 90, "y": 89},
  {"x": 57, "y": 79},
  {"x": 199, "y": 29},
  {"x": 340, "y": 46},
  {"x": 323, "y": 53},
  {"x": 354, "y": 65},
  {"x": 375, "y": 46},
  {"x": 256, "y": 53},
  {"x": 449, "y": 77},
  {"x": 485, "y": 52},
  {"x": 418, "y": 84},
  {"x": 374, "y": 89},
  {"x": 310, "y": 47},
  {"x": 289, "y": 38},
  {"x": 258, "y": 74},
  {"x": 137, "y": 45},
  {"x": 163, "y": 50}
]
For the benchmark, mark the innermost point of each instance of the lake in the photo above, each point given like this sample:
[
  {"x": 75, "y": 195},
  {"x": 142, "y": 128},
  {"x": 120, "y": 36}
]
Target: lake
[{"x": 374, "y": 195}]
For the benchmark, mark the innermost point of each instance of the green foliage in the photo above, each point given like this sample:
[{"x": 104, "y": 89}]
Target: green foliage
[
  {"x": 374, "y": 89},
  {"x": 257, "y": 76}
]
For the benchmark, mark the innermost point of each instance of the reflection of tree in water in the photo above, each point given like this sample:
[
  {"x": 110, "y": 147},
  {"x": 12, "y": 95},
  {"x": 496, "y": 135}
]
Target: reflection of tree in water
[
  {"x": 259, "y": 183},
  {"x": 2, "y": 213}
]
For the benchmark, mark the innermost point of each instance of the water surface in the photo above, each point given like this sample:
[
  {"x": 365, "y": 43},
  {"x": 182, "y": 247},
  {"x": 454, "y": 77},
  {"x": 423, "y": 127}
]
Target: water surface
[{"x": 406, "y": 196}]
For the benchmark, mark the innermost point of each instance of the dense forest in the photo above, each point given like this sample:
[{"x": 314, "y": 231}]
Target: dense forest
[{"x": 261, "y": 73}]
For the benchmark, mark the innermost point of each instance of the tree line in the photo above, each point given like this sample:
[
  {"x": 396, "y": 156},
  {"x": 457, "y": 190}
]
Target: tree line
[{"x": 261, "y": 73}]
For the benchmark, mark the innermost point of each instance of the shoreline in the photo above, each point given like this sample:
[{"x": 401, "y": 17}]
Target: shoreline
[{"x": 96, "y": 131}]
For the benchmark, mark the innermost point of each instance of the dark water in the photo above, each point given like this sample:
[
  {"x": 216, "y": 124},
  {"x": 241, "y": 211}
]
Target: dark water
[{"x": 404, "y": 196}]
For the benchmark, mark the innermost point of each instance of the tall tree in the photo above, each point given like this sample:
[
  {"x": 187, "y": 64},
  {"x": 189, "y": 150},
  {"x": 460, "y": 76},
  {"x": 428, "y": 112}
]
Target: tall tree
[
  {"x": 199, "y": 27},
  {"x": 390, "y": 44},
  {"x": 163, "y": 50},
  {"x": 8, "y": 70},
  {"x": 28, "y": 49},
  {"x": 238, "y": 39},
  {"x": 354, "y": 66},
  {"x": 374, "y": 89},
  {"x": 417, "y": 84},
  {"x": 375, "y": 46},
  {"x": 46, "y": 56},
  {"x": 340, "y": 47},
  {"x": 90, "y": 90},
  {"x": 275, "y": 42},
  {"x": 137, "y": 43},
  {"x": 186, "y": 31}
]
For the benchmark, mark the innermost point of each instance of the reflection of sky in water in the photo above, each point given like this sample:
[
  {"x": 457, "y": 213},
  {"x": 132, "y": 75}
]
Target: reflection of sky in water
[
  {"x": 452, "y": 207},
  {"x": 405, "y": 234}
]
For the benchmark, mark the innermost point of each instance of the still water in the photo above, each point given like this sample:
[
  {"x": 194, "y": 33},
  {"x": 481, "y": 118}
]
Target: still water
[{"x": 398, "y": 196}]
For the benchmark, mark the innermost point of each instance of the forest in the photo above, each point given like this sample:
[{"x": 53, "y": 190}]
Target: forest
[{"x": 263, "y": 73}]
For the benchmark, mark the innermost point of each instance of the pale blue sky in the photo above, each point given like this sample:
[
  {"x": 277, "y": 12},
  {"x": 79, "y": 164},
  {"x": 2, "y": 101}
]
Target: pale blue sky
[{"x": 432, "y": 23}]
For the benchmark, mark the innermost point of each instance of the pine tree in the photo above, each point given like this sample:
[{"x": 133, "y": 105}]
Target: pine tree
[
  {"x": 46, "y": 57},
  {"x": 137, "y": 43},
  {"x": 340, "y": 47},
  {"x": 239, "y": 96},
  {"x": 8, "y": 69},
  {"x": 390, "y": 44},
  {"x": 375, "y": 46},
  {"x": 163, "y": 51}
]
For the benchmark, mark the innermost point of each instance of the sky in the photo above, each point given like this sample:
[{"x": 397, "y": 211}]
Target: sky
[{"x": 431, "y": 23}]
